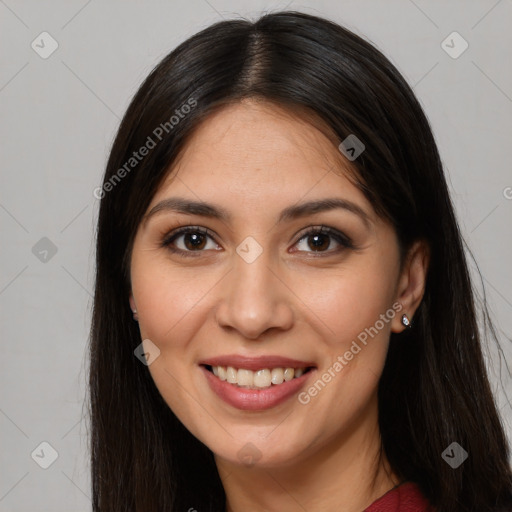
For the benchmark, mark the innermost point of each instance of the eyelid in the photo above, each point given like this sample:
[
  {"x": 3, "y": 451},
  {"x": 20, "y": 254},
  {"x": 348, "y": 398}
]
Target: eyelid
[
  {"x": 343, "y": 240},
  {"x": 175, "y": 233},
  {"x": 188, "y": 229}
]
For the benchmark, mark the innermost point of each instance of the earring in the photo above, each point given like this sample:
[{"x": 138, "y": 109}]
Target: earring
[
  {"x": 406, "y": 321},
  {"x": 135, "y": 315}
]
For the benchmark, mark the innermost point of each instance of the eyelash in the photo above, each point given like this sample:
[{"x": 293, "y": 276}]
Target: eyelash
[{"x": 339, "y": 237}]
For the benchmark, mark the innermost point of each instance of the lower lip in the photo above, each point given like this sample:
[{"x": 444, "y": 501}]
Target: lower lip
[{"x": 255, "y": 399}]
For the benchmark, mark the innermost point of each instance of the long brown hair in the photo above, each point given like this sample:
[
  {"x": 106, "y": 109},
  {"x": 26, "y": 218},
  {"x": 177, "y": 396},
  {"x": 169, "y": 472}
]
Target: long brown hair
[{"x": 434, "y": 389}]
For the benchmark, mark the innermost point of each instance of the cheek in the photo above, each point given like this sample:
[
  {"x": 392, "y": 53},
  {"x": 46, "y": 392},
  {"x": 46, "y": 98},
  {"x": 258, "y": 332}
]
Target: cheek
[
  {"x": 169, "y": 306},
  {"x": 347, "y": 302},
  {"x": 356, "y": 315},
  {"x": 167, "y": 302}
]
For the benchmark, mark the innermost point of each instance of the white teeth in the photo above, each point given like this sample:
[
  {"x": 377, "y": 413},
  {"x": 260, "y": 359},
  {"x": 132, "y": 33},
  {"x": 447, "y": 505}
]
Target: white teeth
[
  {"x": 231, "y": 375},
  {"x": 263, "y": 378},
  {"x": 288, "y": 374},
  {"x": 277, "y": 376},
  {"x": 245, "y": 377},
  {"x": 222, "y": 372}
]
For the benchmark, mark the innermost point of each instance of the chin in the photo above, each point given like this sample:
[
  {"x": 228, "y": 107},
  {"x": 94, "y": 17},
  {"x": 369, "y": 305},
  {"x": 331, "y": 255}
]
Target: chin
[{"x": 253, "y": 451}]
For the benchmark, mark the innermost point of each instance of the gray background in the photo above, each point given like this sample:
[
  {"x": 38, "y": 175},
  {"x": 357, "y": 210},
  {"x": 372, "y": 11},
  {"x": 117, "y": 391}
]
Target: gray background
[{"x": 58, "y": 119}]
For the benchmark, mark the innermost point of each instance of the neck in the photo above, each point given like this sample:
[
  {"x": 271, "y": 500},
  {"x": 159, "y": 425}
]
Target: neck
[{"x": 344, "y": 474}]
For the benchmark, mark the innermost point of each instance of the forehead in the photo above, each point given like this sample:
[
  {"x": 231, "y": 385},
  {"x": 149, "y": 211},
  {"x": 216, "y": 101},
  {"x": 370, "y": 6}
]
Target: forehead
[{"x": 256, "y": 151}]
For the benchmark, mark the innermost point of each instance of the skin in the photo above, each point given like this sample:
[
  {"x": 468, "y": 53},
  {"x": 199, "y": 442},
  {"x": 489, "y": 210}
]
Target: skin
[{"x": 254, "y": 159}]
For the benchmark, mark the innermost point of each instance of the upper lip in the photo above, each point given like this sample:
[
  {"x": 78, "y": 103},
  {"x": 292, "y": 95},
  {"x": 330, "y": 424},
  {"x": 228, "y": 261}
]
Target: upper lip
[{"x": 255, "y": 363}]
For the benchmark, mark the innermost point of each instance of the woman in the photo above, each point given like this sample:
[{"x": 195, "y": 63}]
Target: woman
[{"x": 275, "y": 218}]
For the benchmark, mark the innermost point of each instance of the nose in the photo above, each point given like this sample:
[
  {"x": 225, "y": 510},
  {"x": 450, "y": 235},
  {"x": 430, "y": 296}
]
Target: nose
[{"x": 254, "y": 299}]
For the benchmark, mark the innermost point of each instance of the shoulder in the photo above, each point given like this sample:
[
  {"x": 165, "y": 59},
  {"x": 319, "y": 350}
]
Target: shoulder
[{"x": 406, "y": 497}]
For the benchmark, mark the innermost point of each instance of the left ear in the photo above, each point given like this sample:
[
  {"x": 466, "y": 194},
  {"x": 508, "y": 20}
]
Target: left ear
[{"x": 412, "y": 281}]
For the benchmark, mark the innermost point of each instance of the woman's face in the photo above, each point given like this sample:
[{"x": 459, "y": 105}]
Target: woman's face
[{"x": 264, "y": 291}]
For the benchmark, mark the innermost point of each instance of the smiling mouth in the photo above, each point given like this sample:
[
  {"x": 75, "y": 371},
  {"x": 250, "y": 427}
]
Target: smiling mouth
[{"x": 259, "y": 379}]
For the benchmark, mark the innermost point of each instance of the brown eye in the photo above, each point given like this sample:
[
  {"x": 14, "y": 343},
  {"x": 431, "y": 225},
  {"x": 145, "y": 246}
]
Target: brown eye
[
  {"x": 318, "y": 242},
  {"x": 320, "y": 239},
  {"x": 194, "y": 241},
  {"x": 189, "y": 240}
]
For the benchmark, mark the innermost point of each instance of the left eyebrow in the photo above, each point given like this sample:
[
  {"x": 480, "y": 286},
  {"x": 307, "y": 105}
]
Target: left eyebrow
[
  {"x": 322, "y": 205},
  {"x": 203, "y": 209}
]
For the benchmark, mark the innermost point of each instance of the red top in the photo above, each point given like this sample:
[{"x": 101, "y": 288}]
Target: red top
[{"x": 406, "y": 497}]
